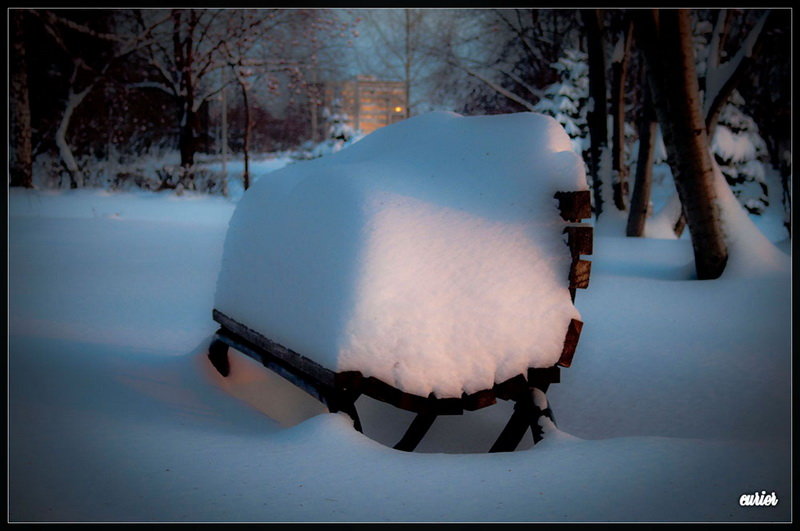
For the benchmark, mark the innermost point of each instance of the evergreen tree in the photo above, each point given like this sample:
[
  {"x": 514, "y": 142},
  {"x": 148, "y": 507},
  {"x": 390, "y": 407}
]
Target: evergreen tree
[
  {"x": 566, "y": 99},
  {"x": 740, "y": 152}
]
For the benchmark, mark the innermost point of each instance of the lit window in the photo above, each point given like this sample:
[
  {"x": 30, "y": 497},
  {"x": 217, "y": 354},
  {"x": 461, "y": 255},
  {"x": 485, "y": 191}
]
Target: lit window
[{"x": 398, "y": 109}]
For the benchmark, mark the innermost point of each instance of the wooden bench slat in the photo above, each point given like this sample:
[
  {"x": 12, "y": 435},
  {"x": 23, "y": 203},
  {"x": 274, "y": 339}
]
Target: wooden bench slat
[
  {"x": 580, "y": 239},
  {"x": 478, "y": 400},
  {"x": 570, "y": 343},
  {"x": 574, "y": 206},
  {"x": 579, "y": 273},
  {"x": 298, "y": 361}
]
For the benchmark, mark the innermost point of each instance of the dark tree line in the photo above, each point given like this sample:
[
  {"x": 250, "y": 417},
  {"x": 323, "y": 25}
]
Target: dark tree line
[
  {"x": 102, "y": 83},
  {"x": 653, "y": 68}
]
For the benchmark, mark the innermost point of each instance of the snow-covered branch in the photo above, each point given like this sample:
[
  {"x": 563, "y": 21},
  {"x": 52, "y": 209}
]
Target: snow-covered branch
[
  {"x": 494, "y": 86},
  {"x": 721, "y": 79}
]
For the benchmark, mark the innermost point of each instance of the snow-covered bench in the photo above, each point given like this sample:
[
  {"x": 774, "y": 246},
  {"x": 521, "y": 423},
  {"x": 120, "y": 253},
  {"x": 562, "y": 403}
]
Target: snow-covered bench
[{"x": 423, "y": 266}]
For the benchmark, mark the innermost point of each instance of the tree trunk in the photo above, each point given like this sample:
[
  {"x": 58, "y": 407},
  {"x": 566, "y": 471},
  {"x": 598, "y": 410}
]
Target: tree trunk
[
  {"x": 187, "y": 141},
  {"x": 666, "y": 38},
  {"x": 597, "y": 116},
  {"x": 619, "y": 71},
  {"x": 21, "y": 152},
  {"x": 183, "y": 49},
  {"x": 246, "y": 174},
  {"x": 64, "y": 149},
  {"x": 640, "y": 198}
]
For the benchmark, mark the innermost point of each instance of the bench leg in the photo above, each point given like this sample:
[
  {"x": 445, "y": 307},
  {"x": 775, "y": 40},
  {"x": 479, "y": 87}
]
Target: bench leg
[
  {"x": 514, "y": 430},
  {"x": 346, "y": 404},
  {"x": 526, "y": 415},
  {"x": 218, "y": 356},
  {"x": 416, "y": 431}
]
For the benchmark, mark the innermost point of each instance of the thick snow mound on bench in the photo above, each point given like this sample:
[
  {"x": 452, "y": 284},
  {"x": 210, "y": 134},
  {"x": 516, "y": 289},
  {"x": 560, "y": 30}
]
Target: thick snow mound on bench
[{"x": 429, "y": 255}]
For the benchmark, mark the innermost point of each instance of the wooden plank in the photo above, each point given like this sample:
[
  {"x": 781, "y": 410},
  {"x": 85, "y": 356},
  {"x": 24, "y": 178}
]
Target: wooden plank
[
  {"x": 574, "y": 206},
  {"x": 416, "y": 431},
  {"x": 306, "y": 366},
  {"x": 411, "y": 402},
  {"x": 478, "y": 400},
  {"x": 384, "y": 392},
  {"x": 379, "y": 390},
  {"x": 305, "y": 382},
  {"x": 570, "y": 343},
  {"x": 579, "y": 273},
  {"x": 580, "y": 239}
]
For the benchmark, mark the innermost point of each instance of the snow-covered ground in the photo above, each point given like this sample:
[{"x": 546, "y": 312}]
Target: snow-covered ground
[{"x": 678, "y": 401}]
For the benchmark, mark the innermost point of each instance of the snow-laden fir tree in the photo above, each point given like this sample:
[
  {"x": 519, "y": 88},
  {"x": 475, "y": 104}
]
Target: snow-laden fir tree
[
  {"x": 741, "y": 152},
  {"x": 566, "y": 100},
  {"x": 339, "y": 133}
]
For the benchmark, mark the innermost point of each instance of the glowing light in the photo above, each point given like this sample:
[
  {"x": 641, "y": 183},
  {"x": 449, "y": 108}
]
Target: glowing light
[{"x": 398, "y": 109}]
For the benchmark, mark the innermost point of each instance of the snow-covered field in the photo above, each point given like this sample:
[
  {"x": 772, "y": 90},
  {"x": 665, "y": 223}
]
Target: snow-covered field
[{"x": 678, "y": 401}]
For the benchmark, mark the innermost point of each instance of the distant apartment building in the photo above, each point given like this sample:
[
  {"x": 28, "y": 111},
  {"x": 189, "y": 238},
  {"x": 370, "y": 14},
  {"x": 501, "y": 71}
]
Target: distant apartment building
[{"x": 367, "y": 103}]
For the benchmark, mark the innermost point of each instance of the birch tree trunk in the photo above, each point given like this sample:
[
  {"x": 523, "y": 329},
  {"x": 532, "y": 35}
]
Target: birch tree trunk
[
  {"x": 21, "y": 152},
  {"x": 666, "y": 39},
  {"x": 74, "y": 99}
]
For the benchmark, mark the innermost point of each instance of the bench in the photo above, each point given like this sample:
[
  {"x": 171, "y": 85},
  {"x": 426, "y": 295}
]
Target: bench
[{"x": 339, "y": 391}]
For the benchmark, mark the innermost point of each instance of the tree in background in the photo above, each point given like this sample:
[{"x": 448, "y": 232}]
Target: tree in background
[
  {"x": 666, "y": 40},
  {"x": 565, "y": 100},
  {"x": 86, "y": 45},
  {"x": 724, "y": 58},
  {"x": 597, "y": 117},
  {"x": 620, "y": 60},
  {"x": 640, "y": 198},
  {"x": 404, "y": 48},
  {"x": 20, "y": 138},
  {"x": 507, "y": 55}
]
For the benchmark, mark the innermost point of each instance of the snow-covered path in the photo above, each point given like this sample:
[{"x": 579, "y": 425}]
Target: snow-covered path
[{"x": 680, "y": 392}]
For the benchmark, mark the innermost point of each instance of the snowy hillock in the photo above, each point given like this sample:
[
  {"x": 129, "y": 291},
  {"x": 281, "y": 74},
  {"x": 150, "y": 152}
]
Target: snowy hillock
[{"x": 429, "y": 254}]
